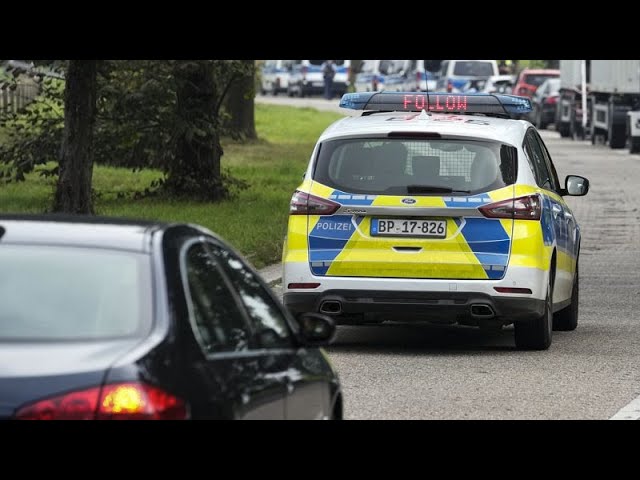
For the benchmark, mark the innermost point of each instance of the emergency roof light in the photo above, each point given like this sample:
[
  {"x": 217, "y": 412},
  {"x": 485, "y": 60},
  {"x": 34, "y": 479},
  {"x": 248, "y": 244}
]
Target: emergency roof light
[{"x": 470, "y": 103}]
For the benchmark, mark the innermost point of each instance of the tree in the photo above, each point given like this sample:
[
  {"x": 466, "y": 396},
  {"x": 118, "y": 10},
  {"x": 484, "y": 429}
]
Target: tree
[
  {"x": 195, "y": 171},
  {"x": 74, "y": 191},
  {"x": 148, "y": 114},
  {"x": 239, "y": 103}
]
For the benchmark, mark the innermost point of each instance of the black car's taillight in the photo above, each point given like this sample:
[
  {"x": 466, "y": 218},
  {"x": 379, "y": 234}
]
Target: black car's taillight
[
  {"x": 119, "y": 401},
  {"x": 306, "y": 204}
]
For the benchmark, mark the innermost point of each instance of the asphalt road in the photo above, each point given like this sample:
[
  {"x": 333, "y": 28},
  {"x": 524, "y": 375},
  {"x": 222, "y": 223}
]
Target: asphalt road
[{"x": 426, "y": 372}]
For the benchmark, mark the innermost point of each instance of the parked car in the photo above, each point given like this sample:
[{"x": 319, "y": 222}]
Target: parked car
[
  {"x": 530, "y": 79},
  {"x": 456, "y": 75},
  {"x": 500, "y": 84},
  {"x": 373, "y": 74},
  {"x": 544, "y": 103},
  {"x": 306, "y": 78},
  {"x": 423, "y": 75},
  {"x": 275, "y": 76},
  {"x": 105, "y": 318}
]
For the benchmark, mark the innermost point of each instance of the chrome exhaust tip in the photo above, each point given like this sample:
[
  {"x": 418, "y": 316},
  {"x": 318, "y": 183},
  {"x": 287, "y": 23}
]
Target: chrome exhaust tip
[
  {"x": 481, "y": 310},
  {"x": 331, "y": 307}
]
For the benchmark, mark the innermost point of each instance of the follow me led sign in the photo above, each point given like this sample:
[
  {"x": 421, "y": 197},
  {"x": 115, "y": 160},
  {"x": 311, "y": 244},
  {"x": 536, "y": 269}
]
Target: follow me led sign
[
  {"x": 451, "y": 103},
  {"x": 503, "y": 105}
]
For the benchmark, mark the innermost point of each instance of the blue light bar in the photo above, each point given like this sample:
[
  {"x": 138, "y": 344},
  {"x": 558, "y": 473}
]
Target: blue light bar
[{"x": 439, "y": 102}]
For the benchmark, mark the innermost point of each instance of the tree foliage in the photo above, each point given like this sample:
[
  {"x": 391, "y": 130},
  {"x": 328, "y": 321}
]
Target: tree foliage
[{"x": 140, "y": 123}]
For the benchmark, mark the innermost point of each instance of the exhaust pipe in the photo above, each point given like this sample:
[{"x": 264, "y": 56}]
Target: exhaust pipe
[
  {"x": 331, "y": 307},
  {"x": 480, "y": 310}
]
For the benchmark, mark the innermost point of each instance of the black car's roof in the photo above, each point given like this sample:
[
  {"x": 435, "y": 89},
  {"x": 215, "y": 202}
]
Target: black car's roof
[{"x": 79, "y": 230}]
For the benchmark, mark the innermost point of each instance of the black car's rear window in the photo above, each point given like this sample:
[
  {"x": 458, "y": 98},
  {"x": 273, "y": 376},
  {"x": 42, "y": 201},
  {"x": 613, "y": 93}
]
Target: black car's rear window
[
  {"x": 70, "y": 293},
  {"x": 390, "y": 165}
]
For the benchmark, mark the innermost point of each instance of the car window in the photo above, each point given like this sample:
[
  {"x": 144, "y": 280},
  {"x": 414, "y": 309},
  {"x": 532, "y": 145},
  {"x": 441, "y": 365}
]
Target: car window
[
  {"x": 392, "y": 166},
  {"x": 536, "y": 157},
  {"x": 536, "y": 79},
  {"x": 445, "y": 67},
  {"x": 70, "y": 293},
  {"x": 218, "y": 320},
  {"x": 264, "y": 313},
  {"x": 553, "y": 175},
  {"x": 473, "y": 68}
]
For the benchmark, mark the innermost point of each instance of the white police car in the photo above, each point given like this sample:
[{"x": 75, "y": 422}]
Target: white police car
[{"x": 436, "y": 207}]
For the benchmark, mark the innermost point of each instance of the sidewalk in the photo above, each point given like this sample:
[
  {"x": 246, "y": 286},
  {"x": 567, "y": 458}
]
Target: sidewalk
[{"x": 272, "y": 274}]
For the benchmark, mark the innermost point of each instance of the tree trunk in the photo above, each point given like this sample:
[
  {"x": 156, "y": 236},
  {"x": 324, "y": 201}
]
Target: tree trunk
[
  {"x": 196, "y": 170},
  {"x": 73, "y": 192},
  {"x": 239, "y": 104}
]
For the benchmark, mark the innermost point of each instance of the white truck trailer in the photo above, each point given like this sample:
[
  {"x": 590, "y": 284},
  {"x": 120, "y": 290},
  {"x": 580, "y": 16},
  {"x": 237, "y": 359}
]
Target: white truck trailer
[
  {"x": 615, "y": 99},
  {"x": 570, "y": 107}
]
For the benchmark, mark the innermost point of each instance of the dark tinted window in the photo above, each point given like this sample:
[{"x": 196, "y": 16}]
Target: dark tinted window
[
  {"x": 267, "y": 317},
  {"x": 536, "y": 79},
  {"x": 473, "y": 69},
  {"x": 389, "y": 166},
  {"x": 318, "y": 63},
  {"x": 219, "y": 320},
  {"x": 553, "y": 175},
  {"x": 536, "y": 157},
  {"x": 68, "y": 293}
]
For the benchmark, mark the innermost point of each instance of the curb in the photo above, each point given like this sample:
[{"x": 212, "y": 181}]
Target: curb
[{"x": 271, "y": 274}]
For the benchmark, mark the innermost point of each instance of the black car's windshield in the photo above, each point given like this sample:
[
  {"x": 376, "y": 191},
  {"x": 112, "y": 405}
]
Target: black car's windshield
[
  {"x": 398, "y": 166},
  {"x": 70, "y": 293}
]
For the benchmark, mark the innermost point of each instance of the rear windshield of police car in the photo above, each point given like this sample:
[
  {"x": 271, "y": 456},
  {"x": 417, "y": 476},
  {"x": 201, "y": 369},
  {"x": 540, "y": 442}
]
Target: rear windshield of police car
[{"x": 393, "y": 166}]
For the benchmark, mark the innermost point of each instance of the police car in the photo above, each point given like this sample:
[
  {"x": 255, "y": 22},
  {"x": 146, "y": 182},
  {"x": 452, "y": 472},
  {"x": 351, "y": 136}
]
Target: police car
[{"x": 438, "y": 207}]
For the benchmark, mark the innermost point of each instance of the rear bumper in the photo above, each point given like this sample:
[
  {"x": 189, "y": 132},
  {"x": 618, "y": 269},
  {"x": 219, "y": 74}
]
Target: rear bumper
[
  {"x": 446, "y": 299},
  {"x": 450, "y": 307}
]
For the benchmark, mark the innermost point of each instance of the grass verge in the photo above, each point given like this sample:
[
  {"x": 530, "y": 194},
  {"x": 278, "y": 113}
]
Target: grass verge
[{"x": 254, "y": 222}]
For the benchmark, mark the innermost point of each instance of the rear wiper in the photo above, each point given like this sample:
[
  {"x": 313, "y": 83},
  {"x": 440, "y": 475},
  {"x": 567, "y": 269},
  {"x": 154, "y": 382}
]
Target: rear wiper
[{"x": 432, "y": 189}]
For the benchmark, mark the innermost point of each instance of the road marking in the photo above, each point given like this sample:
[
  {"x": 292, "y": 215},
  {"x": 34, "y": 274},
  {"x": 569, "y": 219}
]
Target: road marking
[{"x": 629, "y": 412}]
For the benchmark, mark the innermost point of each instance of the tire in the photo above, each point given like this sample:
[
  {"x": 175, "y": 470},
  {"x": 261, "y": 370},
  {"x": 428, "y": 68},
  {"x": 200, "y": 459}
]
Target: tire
[
  {"x": 634, "y": 146},
  {"x": 617, "y": 137},
  {"x": 564, "y": 130},
  {"x": 537, "y": 334},
  {"x": 566, "y": 319}
]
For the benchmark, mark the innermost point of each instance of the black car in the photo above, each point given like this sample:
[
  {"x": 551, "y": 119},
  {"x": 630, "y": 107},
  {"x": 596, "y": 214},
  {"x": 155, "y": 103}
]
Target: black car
[
  {"x": 544, "y": 102},
  {"x": 104, "y": 318}
]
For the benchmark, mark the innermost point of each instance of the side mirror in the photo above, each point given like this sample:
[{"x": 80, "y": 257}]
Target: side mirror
[
  {"x": 576, "y": 186},
  {"x": 316, "y": 330}
]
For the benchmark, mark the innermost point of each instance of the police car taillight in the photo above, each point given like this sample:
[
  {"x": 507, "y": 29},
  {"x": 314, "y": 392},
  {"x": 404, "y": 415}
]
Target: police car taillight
[
  {"x": 306, "y": 204},
  {"x": 521, "y": 208}
]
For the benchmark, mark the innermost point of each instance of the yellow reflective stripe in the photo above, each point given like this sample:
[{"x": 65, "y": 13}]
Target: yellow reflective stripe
[
  {"x": 296, "y": 243},
  {"x": 368, "y": 256},
  {"x": 527, "y": 246}
]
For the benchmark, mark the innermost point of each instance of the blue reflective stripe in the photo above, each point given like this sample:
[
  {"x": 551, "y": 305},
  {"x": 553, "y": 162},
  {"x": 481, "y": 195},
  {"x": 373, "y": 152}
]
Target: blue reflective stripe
[
  {"x": 349, "y": 199},
  {"x": 472, "y": 201}
]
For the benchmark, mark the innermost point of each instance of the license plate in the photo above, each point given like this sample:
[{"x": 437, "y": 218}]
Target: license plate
[{"x": 406, "y": 227}]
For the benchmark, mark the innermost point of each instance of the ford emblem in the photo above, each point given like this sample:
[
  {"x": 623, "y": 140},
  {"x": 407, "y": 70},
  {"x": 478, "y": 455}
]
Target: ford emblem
[{"x": 409, "y": 201}]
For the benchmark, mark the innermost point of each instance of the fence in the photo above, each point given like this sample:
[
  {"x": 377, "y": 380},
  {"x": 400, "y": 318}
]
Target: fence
[{"x": 18, "y": 98}]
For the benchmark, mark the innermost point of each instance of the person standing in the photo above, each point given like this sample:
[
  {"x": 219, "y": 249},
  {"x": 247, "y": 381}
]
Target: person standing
[{"x": 328, "y": 72}]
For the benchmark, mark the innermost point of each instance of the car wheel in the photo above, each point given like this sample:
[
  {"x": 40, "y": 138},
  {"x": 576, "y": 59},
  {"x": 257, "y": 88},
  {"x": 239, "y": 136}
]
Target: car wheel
[
  {"x": 634, "y": 145},
  {"x": 567, "y": 319},
  {"x": 536, "y": 334}
]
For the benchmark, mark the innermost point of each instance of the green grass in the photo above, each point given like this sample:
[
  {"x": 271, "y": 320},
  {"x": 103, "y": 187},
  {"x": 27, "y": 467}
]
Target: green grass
[{"x": 255, "y": 222}]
